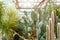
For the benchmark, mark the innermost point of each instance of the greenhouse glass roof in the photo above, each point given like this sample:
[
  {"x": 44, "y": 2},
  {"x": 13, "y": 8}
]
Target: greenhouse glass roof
[{"x": 26, "y": 3}]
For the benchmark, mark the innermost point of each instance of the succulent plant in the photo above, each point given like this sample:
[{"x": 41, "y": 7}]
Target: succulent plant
[{"x": 31, "y": 26}]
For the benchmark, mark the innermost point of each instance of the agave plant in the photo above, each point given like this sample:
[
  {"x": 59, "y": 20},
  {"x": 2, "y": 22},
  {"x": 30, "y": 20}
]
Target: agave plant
[{"x": 34, "y": 24}]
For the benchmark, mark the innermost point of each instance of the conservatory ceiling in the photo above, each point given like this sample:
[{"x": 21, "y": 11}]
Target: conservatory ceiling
[{"x": 26, "y": 4}]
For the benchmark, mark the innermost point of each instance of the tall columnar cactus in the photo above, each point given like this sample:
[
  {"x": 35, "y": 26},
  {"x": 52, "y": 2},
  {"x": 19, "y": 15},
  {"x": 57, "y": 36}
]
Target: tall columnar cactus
[
  {"x": 47, "y": 32},
  {"x": 51, "y": 30},
  {"x": 58, "y": 31},
  {"x": 52, "y": 25}
]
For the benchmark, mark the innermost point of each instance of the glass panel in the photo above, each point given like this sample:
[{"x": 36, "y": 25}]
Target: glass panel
[{"x": 28, "y": 3}]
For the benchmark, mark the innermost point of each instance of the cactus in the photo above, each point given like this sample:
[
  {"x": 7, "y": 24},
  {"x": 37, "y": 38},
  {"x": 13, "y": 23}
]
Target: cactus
[
  {"x": 58, "y": 31},
  {"x": 47, "y": 32}
]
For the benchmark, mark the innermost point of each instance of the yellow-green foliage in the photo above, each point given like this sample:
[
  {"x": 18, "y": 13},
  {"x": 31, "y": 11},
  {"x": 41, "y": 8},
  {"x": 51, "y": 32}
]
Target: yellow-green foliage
[
  {"x": 10, "y": 16},
  {"x": 9, "y": 19}
]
